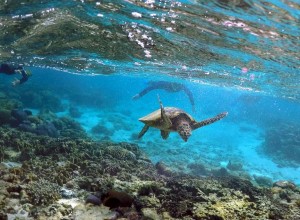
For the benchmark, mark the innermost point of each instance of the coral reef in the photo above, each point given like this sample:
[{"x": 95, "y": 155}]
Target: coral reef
[
  {"x": 198, "y": 169},
  {"x": 5, "y": 116},
  {"x": 234, "y": 166},
  {"x": 100, "y": 129},
  {"x": 20, "y": 115},
  {"x": 67, "y": 127},
  {"x": 120, "y": 176},
  {"x": 43, "y": 192},
  {"x": 282, "y": 142},
  {"x": 44, "y": 100},
  {"x": 6, "y": 107},
  {"x": 263, "y": 180},
  {"x": 10, "y": 104},
  {"x": 48, "y": 129},
  {"x": 44, "y": 123},
  {"x": 58, "y": 127},
  {"x": 74, "y": 112}
]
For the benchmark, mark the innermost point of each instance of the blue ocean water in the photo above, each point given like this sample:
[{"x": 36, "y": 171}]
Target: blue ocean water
[
  {"x": 235, "y": 56},
  {"x": 241, "y": 136}
]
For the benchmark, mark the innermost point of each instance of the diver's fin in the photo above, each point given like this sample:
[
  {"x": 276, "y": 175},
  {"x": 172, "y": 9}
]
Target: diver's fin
[
  {"x": 143, "y": 131},
  {"x": 209, "y": 121},
  {"x": 164, "y": 134}
]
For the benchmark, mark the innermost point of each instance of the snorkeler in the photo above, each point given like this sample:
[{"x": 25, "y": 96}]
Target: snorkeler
[
  {"x": 167, "y": 86},
  {"x": 10, "y": 69}
]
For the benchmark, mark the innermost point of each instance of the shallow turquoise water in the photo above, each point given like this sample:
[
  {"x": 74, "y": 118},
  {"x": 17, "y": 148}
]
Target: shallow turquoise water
[
  {"x": 241, "y": 136},
  {"x": 239, "y": 56}
]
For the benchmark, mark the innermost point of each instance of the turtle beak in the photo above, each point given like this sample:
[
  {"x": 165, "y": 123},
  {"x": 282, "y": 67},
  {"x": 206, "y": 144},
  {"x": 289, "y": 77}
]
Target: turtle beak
[{"x": 186, "y": 137}]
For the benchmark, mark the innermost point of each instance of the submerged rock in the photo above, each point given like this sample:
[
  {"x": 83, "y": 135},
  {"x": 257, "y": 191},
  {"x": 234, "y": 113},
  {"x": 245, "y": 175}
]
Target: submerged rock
[
  {"x": 115, "y": 199},
  {"x": 284, "y": 184},
  {"x": 20, "y": 115},
  {"x": 5, "y": 116},
  {"x": 263, "y": 180},
  {"x": 66, "y": 193},
  {"x": 234, "y": 166},
  {"x": 74, "y": 112},
  {"x": 220, "y": 172},
  {"x": 21, "y": 214},
  {"x": 47, "y": 129},
  {"x": 150, "y": 214},
  {"x": 27, "y": 126},
  {"x": 9, "y": 164},
  {"x": 85, "y": 212},
  {"x": 163, "y": 169},
  {"x": 198, "y": 169},
  {"x": 93, "y": 200},
  {"x": 100, "y": 129}
]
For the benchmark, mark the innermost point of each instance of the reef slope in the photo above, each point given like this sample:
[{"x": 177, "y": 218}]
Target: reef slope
[{"x": 51, "y": 178}]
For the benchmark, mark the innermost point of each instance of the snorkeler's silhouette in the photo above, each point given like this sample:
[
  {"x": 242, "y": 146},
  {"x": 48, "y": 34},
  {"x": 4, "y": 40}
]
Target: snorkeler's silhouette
[
  {"x": 10, "y": 69},
  {"x": 167, "y": 86}
]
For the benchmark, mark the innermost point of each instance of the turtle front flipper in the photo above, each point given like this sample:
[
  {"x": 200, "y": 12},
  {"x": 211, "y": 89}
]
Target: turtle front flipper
[
  {"x": 143, "y": 131},
  {"x": 166, "y": 120},
  {"x": 164, "y": 134},
  {"x": 209, "y": 121}
]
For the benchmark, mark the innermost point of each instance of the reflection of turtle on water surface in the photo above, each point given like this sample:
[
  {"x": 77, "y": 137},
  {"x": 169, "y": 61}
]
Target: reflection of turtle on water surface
[{"x": 174, "y": 119}]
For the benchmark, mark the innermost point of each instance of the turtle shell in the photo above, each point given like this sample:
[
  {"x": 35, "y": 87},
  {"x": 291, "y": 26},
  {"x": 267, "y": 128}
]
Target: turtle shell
[{"x": 154, "y": 119}]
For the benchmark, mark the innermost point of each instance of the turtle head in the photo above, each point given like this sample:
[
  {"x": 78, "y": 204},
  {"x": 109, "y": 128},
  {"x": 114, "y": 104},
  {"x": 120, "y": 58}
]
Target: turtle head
[{"x": 184, "y": 130}]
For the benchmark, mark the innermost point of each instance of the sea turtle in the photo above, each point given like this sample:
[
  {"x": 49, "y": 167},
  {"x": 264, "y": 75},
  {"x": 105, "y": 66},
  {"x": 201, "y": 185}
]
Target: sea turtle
[{"x": 168, "y": 119}]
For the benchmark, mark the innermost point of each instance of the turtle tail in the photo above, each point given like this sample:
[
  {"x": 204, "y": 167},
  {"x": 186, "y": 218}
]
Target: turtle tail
[{"x": 209, "y": 121}]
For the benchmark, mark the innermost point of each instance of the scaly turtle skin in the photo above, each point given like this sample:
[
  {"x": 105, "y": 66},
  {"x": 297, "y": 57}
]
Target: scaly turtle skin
[{"x": 170, "y": 119}]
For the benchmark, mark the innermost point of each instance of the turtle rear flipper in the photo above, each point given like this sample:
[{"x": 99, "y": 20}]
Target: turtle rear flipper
[
  {"x": 164, "y": 134},
  {"x": 143, "y": 131},
  {"x": 209, "y": 121},
  {"x": 166, "y": 120}
]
